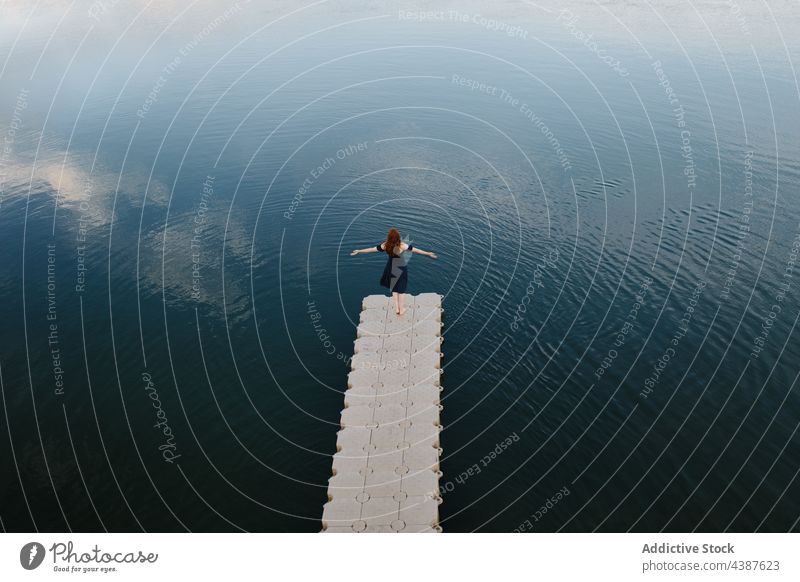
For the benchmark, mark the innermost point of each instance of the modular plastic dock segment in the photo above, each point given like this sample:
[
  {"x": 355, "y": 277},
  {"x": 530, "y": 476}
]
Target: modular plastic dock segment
[{"x": 386, "y": 467}]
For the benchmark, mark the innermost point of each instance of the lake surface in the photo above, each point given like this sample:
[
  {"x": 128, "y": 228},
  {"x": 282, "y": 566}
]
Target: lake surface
[{"x": 612, "y": 191}]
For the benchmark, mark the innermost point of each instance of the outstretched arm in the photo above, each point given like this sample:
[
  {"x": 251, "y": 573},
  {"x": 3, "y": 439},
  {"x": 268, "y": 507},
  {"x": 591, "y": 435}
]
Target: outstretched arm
[
  {"x": 362, "y": 251},
  {"x": 417, "y": 251}
]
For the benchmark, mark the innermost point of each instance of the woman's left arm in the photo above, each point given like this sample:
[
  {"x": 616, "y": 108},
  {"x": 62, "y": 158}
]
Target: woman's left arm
[
  {"x": 417, "y": 251},
  {"x": 362, "y": 251}
]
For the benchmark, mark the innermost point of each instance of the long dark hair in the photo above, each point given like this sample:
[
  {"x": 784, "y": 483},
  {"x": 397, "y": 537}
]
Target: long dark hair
[{"x": 392, "y": 241}]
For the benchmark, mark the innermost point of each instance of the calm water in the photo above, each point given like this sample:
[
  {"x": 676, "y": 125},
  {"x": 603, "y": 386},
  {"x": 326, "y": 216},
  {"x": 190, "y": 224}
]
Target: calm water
[{"x": 612, "y": 193}]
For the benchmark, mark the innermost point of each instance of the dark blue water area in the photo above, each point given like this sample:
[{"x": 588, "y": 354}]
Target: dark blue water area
[{"x": 616, "y": 260}]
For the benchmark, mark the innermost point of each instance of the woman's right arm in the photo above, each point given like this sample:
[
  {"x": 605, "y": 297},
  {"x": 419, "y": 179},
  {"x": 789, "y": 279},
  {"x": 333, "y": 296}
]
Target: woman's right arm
[{"x": 417, "y": 251}]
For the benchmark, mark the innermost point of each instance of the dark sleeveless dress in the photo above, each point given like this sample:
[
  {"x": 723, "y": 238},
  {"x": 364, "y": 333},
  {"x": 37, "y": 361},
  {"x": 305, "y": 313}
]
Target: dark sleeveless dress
[{"x": 395, "y": 273}]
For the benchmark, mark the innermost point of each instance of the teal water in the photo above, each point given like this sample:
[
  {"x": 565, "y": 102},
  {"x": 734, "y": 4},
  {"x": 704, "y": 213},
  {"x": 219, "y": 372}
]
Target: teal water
[{"x": 611, "y": 191}]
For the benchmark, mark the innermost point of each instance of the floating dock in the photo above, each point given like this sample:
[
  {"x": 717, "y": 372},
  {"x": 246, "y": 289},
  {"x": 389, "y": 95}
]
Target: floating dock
[{"x": 386, "y": 467}]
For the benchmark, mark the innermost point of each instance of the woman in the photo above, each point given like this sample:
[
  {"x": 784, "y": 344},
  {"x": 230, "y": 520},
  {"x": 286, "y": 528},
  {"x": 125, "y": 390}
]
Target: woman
[{"x": 395, "y": 273}]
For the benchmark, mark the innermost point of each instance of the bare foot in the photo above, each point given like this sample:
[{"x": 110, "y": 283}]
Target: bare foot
[{"x": 401, "y": 312}]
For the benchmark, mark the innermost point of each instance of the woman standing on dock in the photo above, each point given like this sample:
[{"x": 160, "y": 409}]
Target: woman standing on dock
[{"x": 395, "y": 273}]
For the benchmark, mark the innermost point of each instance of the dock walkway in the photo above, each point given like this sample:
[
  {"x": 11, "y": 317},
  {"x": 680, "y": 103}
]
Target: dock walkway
[{"x": 386, "y": 468}]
